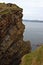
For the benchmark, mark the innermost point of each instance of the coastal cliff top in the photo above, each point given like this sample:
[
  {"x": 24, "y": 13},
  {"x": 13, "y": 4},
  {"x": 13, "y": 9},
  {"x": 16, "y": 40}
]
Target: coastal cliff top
[
  {"x": 34, "y": 58},
  {"x": 6, "y": 8}
]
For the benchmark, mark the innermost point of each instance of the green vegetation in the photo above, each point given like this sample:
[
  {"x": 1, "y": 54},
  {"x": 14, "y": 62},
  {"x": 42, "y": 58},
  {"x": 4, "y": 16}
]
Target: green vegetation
[
  {"x": 6, "y": 8},
  {"x": 34, "y": 58}
]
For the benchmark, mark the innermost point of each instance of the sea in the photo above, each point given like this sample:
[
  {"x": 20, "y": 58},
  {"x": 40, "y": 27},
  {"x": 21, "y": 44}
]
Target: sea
[{"x": 34, "y": 33}]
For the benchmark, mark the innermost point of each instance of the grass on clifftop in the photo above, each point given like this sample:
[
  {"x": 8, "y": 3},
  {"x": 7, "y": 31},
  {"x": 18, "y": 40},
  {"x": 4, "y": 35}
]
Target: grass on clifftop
[
  {"x": 34, "y": 58},
  {"x": 6, "y": 8}
]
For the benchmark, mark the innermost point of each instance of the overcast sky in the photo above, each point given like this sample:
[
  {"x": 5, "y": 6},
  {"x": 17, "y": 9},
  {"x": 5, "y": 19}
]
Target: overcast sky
[{"x": 32, "y": 9}]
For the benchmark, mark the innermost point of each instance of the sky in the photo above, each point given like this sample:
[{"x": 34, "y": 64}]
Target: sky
[{"x": 32, "y": 9}]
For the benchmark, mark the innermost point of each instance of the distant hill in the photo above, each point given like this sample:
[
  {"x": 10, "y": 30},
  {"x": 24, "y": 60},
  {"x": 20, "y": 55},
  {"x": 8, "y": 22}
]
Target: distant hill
[
  {"x": 34, "y": 58},
  {"x": 32, "y": 20}
]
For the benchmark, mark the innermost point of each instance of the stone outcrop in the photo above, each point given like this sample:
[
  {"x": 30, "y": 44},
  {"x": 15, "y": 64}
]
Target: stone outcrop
[{"x": 12, "y": 46}]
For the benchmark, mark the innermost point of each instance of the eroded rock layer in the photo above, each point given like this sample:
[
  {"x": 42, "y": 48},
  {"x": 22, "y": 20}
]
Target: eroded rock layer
[{"x": 12, "y": 46}]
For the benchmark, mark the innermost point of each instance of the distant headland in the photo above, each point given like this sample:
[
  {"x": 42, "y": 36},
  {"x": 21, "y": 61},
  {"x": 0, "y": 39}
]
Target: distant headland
[{"x": 32, "y": 20}]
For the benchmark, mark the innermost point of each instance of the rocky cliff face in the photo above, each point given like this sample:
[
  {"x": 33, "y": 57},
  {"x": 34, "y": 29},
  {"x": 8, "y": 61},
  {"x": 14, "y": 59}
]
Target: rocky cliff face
[{"x": 12, "y": 46}]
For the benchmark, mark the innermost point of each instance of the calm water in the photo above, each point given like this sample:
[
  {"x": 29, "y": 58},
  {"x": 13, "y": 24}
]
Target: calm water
[{"x": 34, "y": 33}]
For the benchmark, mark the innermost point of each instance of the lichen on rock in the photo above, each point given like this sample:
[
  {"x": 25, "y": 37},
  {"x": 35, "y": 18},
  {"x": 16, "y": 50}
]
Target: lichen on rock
[{"x": 12, "y": 46}]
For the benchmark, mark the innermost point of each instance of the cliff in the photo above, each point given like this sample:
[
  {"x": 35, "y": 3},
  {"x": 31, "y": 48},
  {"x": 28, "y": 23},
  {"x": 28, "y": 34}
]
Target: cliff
[
  {"x": 12, "y": 46},
  {"x": 33, "y": 58}
]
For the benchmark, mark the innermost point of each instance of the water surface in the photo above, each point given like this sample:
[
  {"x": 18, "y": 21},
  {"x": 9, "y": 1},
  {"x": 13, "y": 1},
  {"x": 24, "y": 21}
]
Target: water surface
[{"x": 33, "y": 32}]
